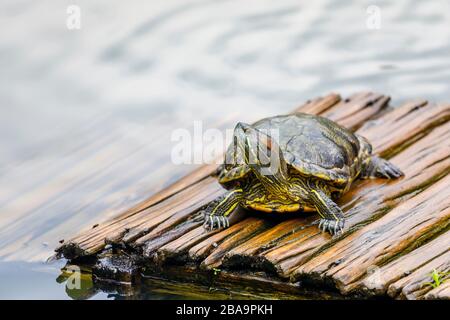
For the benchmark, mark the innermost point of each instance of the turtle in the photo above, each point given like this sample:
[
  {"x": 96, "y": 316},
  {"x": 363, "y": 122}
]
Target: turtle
[{"x": 293, "y": 163}]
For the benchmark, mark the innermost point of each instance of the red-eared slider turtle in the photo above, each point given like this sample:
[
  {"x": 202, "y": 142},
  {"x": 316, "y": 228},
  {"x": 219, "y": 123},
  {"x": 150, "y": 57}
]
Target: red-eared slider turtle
[{"x": 297, "y": 162}]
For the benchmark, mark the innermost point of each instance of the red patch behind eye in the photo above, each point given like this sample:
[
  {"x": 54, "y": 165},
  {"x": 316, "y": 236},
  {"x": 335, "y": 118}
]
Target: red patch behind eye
[
  {"x": 269, "y": 143},
  {"x": 265, "y": 141}
]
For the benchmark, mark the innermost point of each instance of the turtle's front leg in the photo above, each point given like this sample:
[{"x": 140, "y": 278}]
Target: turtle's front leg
[
  {"x": 219, "y": 213},
  {"x": 332, "y": 218}
]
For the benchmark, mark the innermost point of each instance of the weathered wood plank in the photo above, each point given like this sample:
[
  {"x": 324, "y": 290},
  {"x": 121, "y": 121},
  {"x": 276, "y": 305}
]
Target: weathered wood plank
[
  {"x": 399, "y": 231},
  {"x": 399, "y": 228},
  {"x": 378, "y": 282},
  {"x": 193, "y": 177},
  {"x": 157, "y": 218},
  {"x": 415, "y": 286},
  {"x": 247, "y": 252},
  {"x": 352, "y": 112},
  {"x": 236, "y": 233},
  {"x": 440, "y": 293},
  {"x": 155, "y": 243},
  {"x": 410, "y": 122},
  {"x": 320, "y": 104},
  {"x": 225, "y": 238}
]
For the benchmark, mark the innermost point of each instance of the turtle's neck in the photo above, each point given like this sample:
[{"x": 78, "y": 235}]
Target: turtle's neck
[{"x": 274, "y": 179}]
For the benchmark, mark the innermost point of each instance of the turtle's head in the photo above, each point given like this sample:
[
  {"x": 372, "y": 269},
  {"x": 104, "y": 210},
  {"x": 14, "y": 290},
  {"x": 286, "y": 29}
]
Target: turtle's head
[{"x": 260, "y": 150}]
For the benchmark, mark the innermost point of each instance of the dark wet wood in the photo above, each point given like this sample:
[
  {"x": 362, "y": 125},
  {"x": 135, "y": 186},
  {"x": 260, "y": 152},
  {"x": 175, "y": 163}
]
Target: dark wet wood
[{"x": 396, "y": 232}]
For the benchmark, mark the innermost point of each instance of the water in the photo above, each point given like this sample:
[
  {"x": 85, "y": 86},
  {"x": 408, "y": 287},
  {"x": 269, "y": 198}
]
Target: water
[{"x": 86, "y": 115}]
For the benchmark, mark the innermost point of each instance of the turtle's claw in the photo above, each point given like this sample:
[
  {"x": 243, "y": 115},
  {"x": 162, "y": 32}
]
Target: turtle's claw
[
  {"x": 334, "y": 227},
  {"x": 215, "y": 222},
  {"x": 320, "y": 224}
]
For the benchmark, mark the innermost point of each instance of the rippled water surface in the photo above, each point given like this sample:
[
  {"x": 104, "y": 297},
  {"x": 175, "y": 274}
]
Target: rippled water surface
[{"x": 86, "y": 115}]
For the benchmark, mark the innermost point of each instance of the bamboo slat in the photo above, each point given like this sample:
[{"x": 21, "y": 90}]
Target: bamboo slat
[
  {"x": 400, "y": 230},
  {"x": 396, "y": 231},
  {"x": 378, "y": 283},
  {"x": 417, "y": 284},
  {"x": 442, "y": 292}
]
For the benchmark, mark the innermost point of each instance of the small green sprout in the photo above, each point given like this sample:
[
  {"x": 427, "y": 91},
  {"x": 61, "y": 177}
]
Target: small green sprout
[
  {"x": 437, "y": 278},
  {"x": 216, "y": 271}
]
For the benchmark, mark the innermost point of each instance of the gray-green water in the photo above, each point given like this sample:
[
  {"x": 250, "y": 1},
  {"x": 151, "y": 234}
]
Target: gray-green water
[{"x": 86, "y": 115}]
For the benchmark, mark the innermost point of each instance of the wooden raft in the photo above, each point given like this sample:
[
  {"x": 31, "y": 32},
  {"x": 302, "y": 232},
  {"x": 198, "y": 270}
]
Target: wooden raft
[{"x": 397, "y": 232}]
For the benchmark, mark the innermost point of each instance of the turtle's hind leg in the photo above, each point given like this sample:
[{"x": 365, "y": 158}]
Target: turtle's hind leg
[
  {"x": 376, "y": 167},
  {"x": 221, "y": 212}
]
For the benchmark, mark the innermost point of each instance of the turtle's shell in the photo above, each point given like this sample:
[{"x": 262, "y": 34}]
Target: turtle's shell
[{"x": 313, "y": 146}]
